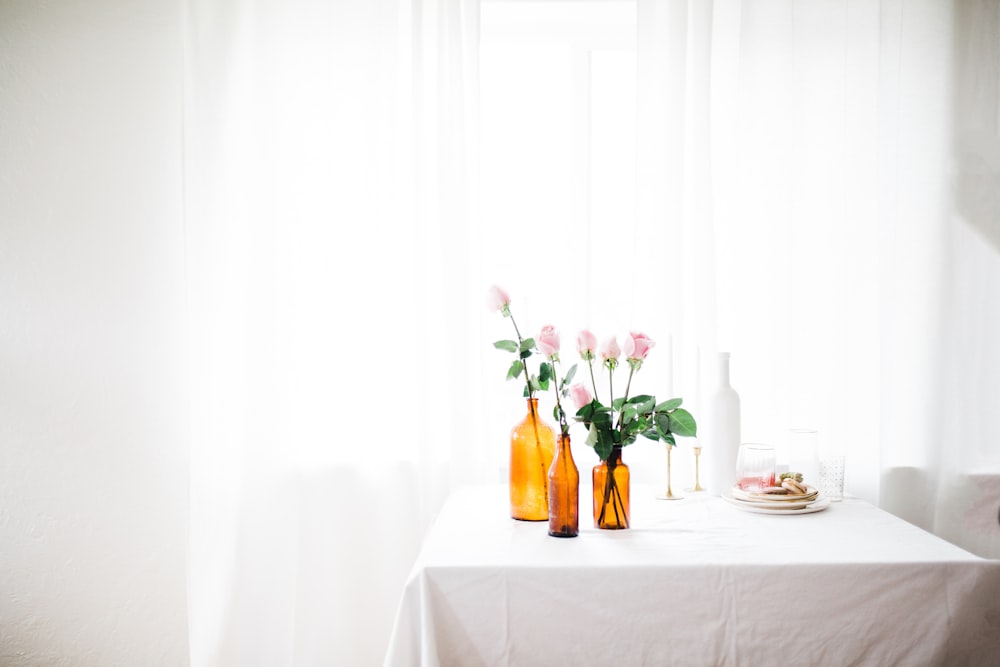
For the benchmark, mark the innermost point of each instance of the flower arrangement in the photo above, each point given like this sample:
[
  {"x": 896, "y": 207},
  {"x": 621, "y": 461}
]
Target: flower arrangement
[
  {"x": 610, "y": 426},
  {"x": 546, "y": 343},
  {"x": 624, "y": 419}
]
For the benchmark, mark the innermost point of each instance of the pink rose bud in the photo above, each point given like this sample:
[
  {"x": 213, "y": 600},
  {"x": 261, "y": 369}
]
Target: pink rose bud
[
  {"x": 586, "y": 343},
  {"x": 609, "y": 349},
  {"x": 637, "y": 345},
  {"x": 579, "y": 395},
  {"x": 496, "y": 298},
  {"x": 548, "y": 341}
]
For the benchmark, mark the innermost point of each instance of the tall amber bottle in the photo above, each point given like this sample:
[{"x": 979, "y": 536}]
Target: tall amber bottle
[
  {"x": 564, "y": 492},
  {"x": 532, "y": 445},
  {"x": 611, "y": 503}
]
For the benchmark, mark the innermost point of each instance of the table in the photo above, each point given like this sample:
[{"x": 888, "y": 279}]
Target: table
[{"x": 693, "y": 582}]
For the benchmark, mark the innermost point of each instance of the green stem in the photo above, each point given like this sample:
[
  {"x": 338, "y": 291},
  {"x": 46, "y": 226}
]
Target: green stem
[
  {"x": 538, "y": 449},
  {"x": 611, "y": 385},
  {"x": 563, "y": 426},
  {"x": 611, "y": 487},
  {"x": 618, "y": 493},
  {"x": 516, "y": 330},
  {"x": 593, "y": 383},
  {"x": 527, "y": 376},
  {"x": 628, "y": 385}
]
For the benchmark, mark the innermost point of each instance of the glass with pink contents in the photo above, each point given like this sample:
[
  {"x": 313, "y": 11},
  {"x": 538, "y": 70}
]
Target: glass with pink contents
[{"x": 755, "y": 467}]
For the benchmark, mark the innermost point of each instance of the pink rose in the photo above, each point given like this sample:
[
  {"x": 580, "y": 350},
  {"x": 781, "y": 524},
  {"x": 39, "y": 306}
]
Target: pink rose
[
  {"x": 496, "y": 298},
  {"x": 586, "y": 342},
  {"x": 609, "y": 349},
  {"x": 548, "y": 341},
  {"x": 579, "y": 395},
  {"x": 637, "y": 345}
]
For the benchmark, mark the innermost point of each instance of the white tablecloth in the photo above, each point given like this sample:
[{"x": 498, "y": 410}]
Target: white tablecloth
[{"x": 693, "y": 582}]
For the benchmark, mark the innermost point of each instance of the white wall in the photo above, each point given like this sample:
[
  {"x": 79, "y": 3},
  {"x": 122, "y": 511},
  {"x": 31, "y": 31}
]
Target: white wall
[{"x": 93, "y": 447}]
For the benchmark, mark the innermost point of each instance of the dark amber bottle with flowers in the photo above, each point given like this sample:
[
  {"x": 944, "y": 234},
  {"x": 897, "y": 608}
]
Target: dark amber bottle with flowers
[
  {"x": 564, "y": 478},
  {"x": 619, "y": 423},
  {"x": 611, "y": 492}
]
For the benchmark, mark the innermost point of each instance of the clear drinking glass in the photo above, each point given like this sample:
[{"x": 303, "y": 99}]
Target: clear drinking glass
[
  {"x": 831, "y": 475},
  {"x": 755, "y": 467},
  {"x": 803, "y": 454}
]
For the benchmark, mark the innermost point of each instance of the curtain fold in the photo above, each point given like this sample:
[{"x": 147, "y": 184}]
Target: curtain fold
[{"x": 327, "y": 171}]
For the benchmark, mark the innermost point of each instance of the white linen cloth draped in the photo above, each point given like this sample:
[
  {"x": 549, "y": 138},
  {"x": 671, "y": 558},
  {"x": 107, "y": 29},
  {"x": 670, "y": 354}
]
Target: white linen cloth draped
[
  {"x": 694, "y": 583},
  {"x": 795, "y": 207}
]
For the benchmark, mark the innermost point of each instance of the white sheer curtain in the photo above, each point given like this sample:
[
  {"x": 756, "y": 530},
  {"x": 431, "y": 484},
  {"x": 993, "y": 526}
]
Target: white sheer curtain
[
  {"x": 326, "y": 161},
  {"x": 828, "y": 172},
  {"x": 792, "y": 203}
]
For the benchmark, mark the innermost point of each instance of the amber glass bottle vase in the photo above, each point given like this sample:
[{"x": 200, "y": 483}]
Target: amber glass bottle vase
[
  {"x": 532, "y": 445},
  {"x": 611, "y": 480},
  {"x": 564, "y": 492}
]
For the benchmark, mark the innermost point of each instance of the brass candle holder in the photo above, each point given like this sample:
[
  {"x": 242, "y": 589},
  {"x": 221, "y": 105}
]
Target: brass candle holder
[
  {"x": 669, "y": 495},
  {"x": 697, "y": 488}
]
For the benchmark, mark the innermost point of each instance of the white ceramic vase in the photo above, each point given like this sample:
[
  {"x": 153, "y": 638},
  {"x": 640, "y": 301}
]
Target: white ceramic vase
[{"x": 721, "y": 430}]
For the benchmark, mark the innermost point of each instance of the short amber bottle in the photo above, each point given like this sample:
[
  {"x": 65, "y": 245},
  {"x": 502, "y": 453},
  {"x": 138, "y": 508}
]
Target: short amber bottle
[
  {"x": 611, "y": 487},
  {"x": 564, "y": 492}
]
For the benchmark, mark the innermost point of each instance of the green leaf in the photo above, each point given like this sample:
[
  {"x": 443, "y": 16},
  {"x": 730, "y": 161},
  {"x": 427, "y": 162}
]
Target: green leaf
[
  {"x": 525, "y": 354},
  {"x": 641, "y": 398},
  {"x": 506, "y": 345},
  {"x": 591, "y": 436},
  {"x": 682, "y": 423},
  {"x": 515, "y": 369},
  {"x": 544, "y": 372},
  {"x": 651, "y": 434},
  {"x": 602, "y": 418},
  {"x": 603, "y": 449},
  {"x": 662, "y": 421},
  {"x": 555, "y": 413},
  {"x": 543, "y": 384},
  {"x": 526, "y": 394},
  {"x": 569, "y": 375},
  {"x": 628, "y": 414},
  {"x": 666, "y": 406},
  {"x": 527, "y": 344},
  {"x": 618, "y": 403},
  {"x": 669, "y": 439}
]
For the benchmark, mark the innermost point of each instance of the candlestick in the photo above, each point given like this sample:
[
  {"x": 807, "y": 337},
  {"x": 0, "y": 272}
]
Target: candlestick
[
  {"x": 669, "y": 495},
  {"x": 697, "y": 488}
]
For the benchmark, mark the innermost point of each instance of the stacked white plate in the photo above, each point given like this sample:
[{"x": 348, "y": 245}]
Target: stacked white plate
[{"x": 774, "y": 503}]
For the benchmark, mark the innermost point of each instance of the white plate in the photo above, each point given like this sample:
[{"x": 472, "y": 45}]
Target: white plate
[
  {"x": 815, "y": 506},
  {"x": 776, "y": 498},
  {"x": 763, "y": 504}
]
